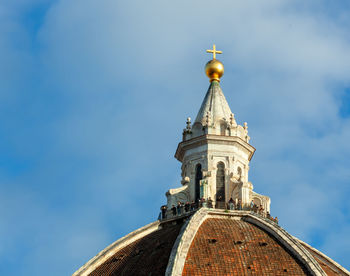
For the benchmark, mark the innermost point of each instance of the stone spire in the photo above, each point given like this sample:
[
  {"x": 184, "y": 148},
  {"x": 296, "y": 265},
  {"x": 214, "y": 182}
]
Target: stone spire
[{"x": 215, "y": 105}]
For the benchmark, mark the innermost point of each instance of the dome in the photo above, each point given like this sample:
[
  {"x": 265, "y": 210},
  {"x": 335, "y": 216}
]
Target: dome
[
  {"x": 211, "y": 242},
  {"x": 193, "y": 238}
]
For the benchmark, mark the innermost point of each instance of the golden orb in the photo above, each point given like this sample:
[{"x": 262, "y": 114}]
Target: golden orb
[{"x": 214, "y": 69}]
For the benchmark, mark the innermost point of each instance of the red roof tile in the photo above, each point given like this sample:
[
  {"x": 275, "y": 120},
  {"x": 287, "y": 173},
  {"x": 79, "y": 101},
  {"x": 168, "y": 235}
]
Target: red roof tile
[
  {"x": 146, "y": 256},
  {"x": 236, "y": 247}
]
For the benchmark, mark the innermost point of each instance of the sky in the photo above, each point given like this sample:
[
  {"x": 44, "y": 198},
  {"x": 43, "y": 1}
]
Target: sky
[{"x": 94, "y": 95}]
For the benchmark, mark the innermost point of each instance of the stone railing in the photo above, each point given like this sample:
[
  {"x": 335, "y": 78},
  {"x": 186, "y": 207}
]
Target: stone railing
[{"x": 221, "y": 205}]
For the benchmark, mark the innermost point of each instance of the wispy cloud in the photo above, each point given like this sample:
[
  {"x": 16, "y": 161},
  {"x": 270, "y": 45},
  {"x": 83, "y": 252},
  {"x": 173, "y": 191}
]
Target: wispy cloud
[{"x": 94, "y": 98}]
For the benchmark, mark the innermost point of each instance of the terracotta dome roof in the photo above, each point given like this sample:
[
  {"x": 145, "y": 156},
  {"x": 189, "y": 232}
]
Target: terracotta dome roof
[
  {"x": 225, "y": 246},
  {"x": 146, "y": 256},
  {"x": 211, "y": 242}
]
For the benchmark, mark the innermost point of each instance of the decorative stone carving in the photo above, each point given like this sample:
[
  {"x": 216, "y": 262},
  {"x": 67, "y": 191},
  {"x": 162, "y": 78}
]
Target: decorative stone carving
[
  {"x": 235, "y": 185},
  {"x": 232, "y": 121},
  {"x": 187, "y": 132},
  {"x": 235, "y": 178},
  {"x": 208, "y": 119},
  {"x": 185, "y": 180},
  {"x": 181, "y": 194},
  {"x": 206, "y": 174},
  {"x": 261, "y": 199},
  {"x": 250, "y": 186},
  {"x": 188, "y": 124},
  {"x": 246, "y": 137}
]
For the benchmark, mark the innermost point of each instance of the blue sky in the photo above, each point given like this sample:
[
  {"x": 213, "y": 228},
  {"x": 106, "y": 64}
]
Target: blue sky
[{"x": 94, "y": 96}]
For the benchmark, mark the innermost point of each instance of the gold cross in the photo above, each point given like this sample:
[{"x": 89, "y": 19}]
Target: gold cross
[{"x": 214, "y": 51}]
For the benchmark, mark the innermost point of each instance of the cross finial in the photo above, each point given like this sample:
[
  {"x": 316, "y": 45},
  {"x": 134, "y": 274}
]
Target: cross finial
[{"x": 214, "y": 51}]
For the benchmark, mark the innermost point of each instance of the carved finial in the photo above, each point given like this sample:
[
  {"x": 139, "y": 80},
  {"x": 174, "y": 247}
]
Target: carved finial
[
  {"x": 188, "y": 124},
  {"x": 232, "y": 120},
  {"x": 247, "y": 138},
  {"x": 207, "y": 118}
]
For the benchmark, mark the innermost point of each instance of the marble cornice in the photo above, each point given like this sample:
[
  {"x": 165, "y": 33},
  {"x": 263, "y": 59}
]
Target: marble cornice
[{"x": 212, "y": 139}]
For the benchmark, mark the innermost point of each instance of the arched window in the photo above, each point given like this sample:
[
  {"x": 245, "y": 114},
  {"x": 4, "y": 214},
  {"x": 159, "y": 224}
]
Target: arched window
[
  {"x": 222, "y": 129},
  {"x": 257, "y": 201},
  {"x": 199, "y": 177},
  {"x": 220, "y": 182}
]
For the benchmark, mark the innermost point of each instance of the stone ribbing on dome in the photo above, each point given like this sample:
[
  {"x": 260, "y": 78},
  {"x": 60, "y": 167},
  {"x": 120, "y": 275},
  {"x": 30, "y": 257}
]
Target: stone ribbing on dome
[
  {"x": 215, "y": 104},
  {"x": 331, "y": 267}
]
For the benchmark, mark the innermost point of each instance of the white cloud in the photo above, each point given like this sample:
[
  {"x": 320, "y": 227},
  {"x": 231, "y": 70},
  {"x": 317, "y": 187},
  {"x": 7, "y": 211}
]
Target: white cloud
[{"x": 122, "y": 77}]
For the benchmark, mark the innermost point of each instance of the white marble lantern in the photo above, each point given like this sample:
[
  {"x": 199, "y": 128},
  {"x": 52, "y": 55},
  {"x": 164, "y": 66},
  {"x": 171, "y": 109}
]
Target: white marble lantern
[{"x": 216, "y": 150}]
